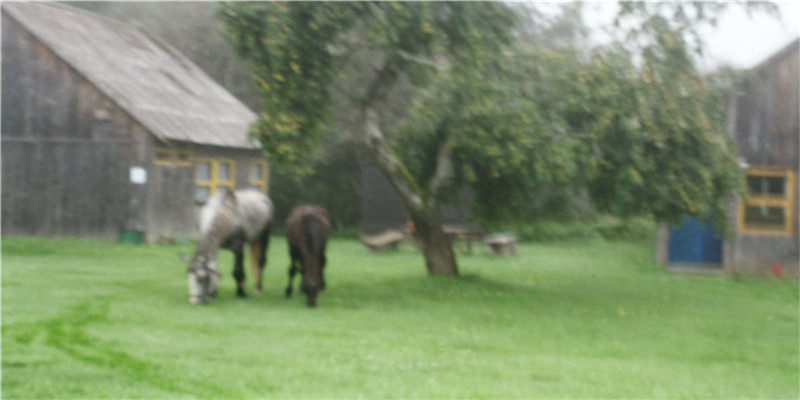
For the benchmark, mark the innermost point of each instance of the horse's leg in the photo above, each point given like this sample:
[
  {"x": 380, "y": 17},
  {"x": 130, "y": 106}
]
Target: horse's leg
[
  {"x": 322, "y": 261},
  {"x": 256, "y": 264},
  {"x": 238, "y": 270},
  {"x": 292, "y": 271}
]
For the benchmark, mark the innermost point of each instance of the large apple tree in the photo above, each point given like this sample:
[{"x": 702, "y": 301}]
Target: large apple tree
[
  {"x": 636, "y": 126},
  {"x": 296, "y": 50}
]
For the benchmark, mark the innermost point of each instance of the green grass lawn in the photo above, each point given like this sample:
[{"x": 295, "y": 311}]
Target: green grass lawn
[{"x": 83, "y": 319}]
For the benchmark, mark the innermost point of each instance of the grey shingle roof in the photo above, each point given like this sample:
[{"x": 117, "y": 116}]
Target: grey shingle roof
[{"x": 159, "y": 87}]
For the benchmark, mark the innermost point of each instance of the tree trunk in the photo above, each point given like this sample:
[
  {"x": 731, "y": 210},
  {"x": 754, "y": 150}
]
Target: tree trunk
[{"x": 436, "y": 245}]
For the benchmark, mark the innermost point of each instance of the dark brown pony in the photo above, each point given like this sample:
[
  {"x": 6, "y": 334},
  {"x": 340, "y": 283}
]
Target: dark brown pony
[{"x": 307, "y": 230}]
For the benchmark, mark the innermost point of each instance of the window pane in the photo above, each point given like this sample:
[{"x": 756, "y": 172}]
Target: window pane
[
  {"x": 764, "y": 217},
  {"x": 185, "y": 156},
  {"x": 767, "y": 185},
  {"x": 163, "y": 155},
  {"x": 203, "y": 171},
  {"x": 223, "y": 172},
  {"x": 256, "y": 172},
  {"x": 201, "y": 194}
]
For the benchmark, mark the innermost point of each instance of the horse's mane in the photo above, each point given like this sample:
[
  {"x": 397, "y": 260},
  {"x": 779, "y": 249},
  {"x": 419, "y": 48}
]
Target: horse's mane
[{"x": 218, "y": 218}]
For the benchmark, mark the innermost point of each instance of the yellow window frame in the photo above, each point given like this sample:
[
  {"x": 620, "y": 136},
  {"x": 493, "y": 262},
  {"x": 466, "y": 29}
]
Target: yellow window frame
[
  {"x": 214, "y": 181},
  {"x": 256, "y": 182},
  {"x": 785, "y": 202},
  {"x": 184, "y": 157},
  {"x": 173, "y": 156}
]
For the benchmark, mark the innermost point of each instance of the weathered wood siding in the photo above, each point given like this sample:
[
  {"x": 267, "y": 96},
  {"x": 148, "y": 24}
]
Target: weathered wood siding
[
  {"x": 172, "y": 210},
  {"x": 170, "y": 193},
  {"x": 766, "y": 125},
  {"x": 68, "y": 149},
  {"x": 65, "y": 147},
  {"x": 767, "y": 112}
]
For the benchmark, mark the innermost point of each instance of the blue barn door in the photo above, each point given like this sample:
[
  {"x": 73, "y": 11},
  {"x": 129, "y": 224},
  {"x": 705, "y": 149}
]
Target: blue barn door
[{"x": 694, "y": 242}]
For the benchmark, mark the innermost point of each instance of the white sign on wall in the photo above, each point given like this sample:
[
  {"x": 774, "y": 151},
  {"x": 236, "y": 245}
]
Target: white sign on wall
[{"x": 138, "y": 175}]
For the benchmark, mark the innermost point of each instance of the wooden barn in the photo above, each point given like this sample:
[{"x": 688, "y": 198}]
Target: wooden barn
[
  {"x": 106, "y": 129},
  {"x": 764, "y": 119}
]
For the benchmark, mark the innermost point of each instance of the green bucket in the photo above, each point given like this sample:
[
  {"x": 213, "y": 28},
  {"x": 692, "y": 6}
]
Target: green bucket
[{"x": 131, "y": 236}]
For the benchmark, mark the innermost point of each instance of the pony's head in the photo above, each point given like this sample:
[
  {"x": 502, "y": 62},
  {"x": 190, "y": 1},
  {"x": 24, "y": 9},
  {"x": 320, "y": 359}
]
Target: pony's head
[
  {"x": 203, "y": 277},
  {"x": 312, "y": 282}
]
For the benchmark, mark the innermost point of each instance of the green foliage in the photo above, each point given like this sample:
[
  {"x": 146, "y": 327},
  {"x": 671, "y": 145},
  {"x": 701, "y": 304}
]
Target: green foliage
[
  {"x": 658, "y": 144},
  {"x": 643, "y": 140},
  {"x": 570, "y": 320},
  {"x": 603, "y": 228},
  {"x": 499, "y": 123},
  {"x": 296, "y": 49},
  {"x": 286, "y": 47},
  {"x": 333, "y": 182},
  {"x": 633, "y": 126}
]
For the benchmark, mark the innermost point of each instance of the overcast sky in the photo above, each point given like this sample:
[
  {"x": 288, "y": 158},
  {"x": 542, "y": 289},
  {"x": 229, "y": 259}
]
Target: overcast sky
[
  {"x": 738, "y": 40},
  {"x": 745, "y": 42}
]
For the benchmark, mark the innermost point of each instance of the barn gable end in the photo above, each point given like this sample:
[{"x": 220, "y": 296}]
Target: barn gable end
[{"x": 104, "y": 129}]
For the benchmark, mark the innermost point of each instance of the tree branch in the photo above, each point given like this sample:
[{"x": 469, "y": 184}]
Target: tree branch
[
  {"x": 444, "y": 172},
  {"x": 419, "y": 60},
  {"x": 379, "y": 88},
  {"x": 388, "y": 162}
]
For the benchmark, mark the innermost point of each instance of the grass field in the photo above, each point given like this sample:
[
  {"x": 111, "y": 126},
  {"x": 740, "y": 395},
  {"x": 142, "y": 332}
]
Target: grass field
[{"x": 83, "y": 319}]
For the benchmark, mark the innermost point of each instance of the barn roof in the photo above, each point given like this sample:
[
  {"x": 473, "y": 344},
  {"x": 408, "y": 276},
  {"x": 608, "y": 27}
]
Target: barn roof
[
  {"x": 783, "y": 52},
  {"x": 158, "y": 86}
]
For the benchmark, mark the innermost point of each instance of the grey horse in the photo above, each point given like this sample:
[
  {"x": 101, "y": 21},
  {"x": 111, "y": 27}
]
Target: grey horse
[{"x": 229, "y": 220}]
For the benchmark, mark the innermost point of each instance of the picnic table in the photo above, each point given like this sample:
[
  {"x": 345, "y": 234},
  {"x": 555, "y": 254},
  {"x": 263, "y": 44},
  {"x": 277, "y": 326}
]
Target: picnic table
[
  {"x": 464, "y": 234},
  {"x": 389, "y": 239},
  {"x": 502, "y": 244}
]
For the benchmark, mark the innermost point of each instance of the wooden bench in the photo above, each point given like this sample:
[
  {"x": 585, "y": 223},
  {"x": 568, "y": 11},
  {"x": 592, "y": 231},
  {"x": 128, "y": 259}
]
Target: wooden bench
[
  {"x": 385, "y": 240},
  {"x": 502, "y": 244},
  {"x": 465, "y": 234}
]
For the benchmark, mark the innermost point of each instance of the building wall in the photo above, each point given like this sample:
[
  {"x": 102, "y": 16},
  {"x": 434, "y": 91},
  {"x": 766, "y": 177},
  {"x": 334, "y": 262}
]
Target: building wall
[
  {"x": 68, "y": 152},
  {"x": 764, "y": 119},
  {"x": 767, "y": 111},
  {"x": 173, "y": 209},
  {"x": 766, "y": 126},
  {"x": 65, "y": 147}
]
